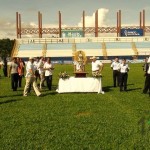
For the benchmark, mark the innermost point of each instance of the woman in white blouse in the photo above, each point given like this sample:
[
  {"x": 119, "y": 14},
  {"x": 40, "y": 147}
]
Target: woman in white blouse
[{"x": 124, "y": 68}]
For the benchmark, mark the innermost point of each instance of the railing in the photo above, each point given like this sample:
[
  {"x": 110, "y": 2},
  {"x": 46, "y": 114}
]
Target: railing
[
  {"x": 82, "y": 40},
  {"x": 25, "y": 31}
]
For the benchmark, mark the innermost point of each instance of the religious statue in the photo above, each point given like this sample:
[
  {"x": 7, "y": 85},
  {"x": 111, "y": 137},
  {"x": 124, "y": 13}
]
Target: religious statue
[{"x": 79, "y": 63}]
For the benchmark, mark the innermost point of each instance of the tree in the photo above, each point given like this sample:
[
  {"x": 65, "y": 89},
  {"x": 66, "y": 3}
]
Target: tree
[{"x": 6, "y": 46}]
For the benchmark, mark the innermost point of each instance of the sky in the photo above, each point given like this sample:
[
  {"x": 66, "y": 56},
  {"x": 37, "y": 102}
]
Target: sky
[{"x": 71, "y": 11}]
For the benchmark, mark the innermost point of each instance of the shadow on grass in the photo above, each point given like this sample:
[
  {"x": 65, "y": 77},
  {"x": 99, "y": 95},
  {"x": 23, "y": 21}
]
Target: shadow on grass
[
  {"x": 134, "y": 89},
  {"x": 19, "y": 89},
  {"x": 50, "y": 93},
  {"x": 10, "y": 101},
  {"x": 131, "y": 84},
  {"x": 5, "y": 96},
  {"x": 107, "y": 88}
]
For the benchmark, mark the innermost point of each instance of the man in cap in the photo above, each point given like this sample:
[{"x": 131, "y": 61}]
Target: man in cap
[
  {"x": 97, "y": 66},
  {"x": 30, "y": 78}
]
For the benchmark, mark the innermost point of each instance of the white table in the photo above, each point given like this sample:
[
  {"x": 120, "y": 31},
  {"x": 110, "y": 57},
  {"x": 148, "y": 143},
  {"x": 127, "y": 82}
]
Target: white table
[{"x": 73, "y": 84}]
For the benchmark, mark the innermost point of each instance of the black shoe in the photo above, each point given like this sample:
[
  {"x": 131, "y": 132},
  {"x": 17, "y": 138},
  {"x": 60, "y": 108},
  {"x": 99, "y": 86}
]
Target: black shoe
[{"x": 144, "y": 93}]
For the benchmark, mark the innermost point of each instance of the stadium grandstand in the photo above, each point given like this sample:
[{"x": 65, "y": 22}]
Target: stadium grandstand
[
  {"x": 131, "y": 42},
  {"x": 64, "y": 48}
]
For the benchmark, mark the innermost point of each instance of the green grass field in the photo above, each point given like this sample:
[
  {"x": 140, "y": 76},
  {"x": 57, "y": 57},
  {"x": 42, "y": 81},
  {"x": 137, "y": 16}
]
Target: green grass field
[{"x": 76, "y": 121}]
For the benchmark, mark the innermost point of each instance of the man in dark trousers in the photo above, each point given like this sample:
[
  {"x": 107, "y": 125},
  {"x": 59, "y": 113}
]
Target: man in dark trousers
[
  {"x": 124, "y": 68},
  {"x": 13, "y": 72},
  {"x": 147, "y": 77},
  {"x": 5, "y": 67},
  {"x": 116, "y": 73}
]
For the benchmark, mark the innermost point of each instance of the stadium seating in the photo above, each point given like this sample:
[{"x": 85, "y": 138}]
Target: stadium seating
[{"x": 59, "y": 47}]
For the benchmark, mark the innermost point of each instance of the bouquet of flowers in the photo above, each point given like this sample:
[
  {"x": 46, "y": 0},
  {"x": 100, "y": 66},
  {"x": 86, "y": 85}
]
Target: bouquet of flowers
[
  {"x": 63, "y": 75},
  {"x": 96, "y": 74}
]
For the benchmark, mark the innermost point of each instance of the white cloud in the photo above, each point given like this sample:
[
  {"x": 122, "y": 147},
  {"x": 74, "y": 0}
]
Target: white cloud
[
  {"x": 7, "y": 29},
  {"x": 90, "y": 20},
  {"x": 35, "y": 25}
]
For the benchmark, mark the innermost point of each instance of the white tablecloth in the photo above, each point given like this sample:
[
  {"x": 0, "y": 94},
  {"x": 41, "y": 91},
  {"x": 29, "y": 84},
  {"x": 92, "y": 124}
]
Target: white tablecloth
[{"x": 73, "y": 84}]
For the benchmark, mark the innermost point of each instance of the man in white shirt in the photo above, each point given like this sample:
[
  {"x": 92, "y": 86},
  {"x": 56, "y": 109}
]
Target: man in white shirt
[
  {"x": 36, "y": 62},
  {"x": 41, "y": 71},
  {"x": 48, "y": 67},
  {"x": 116, "y": 73},
  {"x": 124, "y": 68},
  {"x": 97, "y": 66},
  {"x": 147, "y": 79},
  {"x": 30, "y": 78},
  {"x": 13, "y": 72}
]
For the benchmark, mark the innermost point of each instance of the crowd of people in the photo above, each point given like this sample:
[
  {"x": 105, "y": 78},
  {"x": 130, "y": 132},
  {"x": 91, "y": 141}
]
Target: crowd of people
[
  {"x": 42, "y": 69},
  {"x": 35, "y": 69},
  {"x": 120, "y": 74}
]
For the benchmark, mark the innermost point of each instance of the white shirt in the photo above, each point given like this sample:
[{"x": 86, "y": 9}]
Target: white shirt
[
  {"x": 115, "y": 65},
  {"x": 148, "y": 71},
  {"x": 29, "y": 67},
  {"x": 40, "y": 66},
  {"x": 124, "y": 68},
  {"x": 96, "y": 65},
  {"x": 148, "y": 60},
  {"x": 49, "y": 71},
  {"x": 36, "y": 64},
  {"x": 14, "y": 67}
]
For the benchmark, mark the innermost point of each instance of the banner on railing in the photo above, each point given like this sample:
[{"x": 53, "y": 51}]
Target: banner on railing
[
  {"x": 71, "y": 33},
  {"x": 131, "y": 32}
]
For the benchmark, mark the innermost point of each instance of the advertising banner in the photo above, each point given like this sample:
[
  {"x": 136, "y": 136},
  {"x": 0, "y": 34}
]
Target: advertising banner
[
  {"x": 131, "y": 32},
  {"x": 71, "y": 33}
]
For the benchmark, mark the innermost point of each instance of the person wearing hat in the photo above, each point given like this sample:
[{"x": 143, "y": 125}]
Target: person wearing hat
[
  {"x": 147, "y": 78},
  {"x": 97, "y": 66},
  {"x": 30, "y": 78}
]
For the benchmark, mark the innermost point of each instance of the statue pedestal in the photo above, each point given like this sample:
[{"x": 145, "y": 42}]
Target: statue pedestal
[{"x": 80, "y": 74}]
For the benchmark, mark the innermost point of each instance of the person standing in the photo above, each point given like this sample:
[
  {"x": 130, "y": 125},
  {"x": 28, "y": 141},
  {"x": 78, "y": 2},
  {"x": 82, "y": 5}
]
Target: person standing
[
  {"x": 116, "y": 73},
  {"x": 36, "y": 62},
  {"x": 97, "y": 66},
  {"x": 48, "y": 67},
  {"x": 41, "y": 72},
  {"x": 4, "y": 64},
  {"x": 13, "y": 72},
  {"x": 20, "y": 71},
  {"x": 147, "y": 77},
  {"x": 124, "y": 68},
  {"x": 145, "y": 66},
  {"x": 30, "y": 78}
]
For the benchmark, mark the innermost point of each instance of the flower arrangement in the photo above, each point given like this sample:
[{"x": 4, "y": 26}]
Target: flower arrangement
[
  {"x": 96, "y": 74},
  {"x": 63, "y": 75}
]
